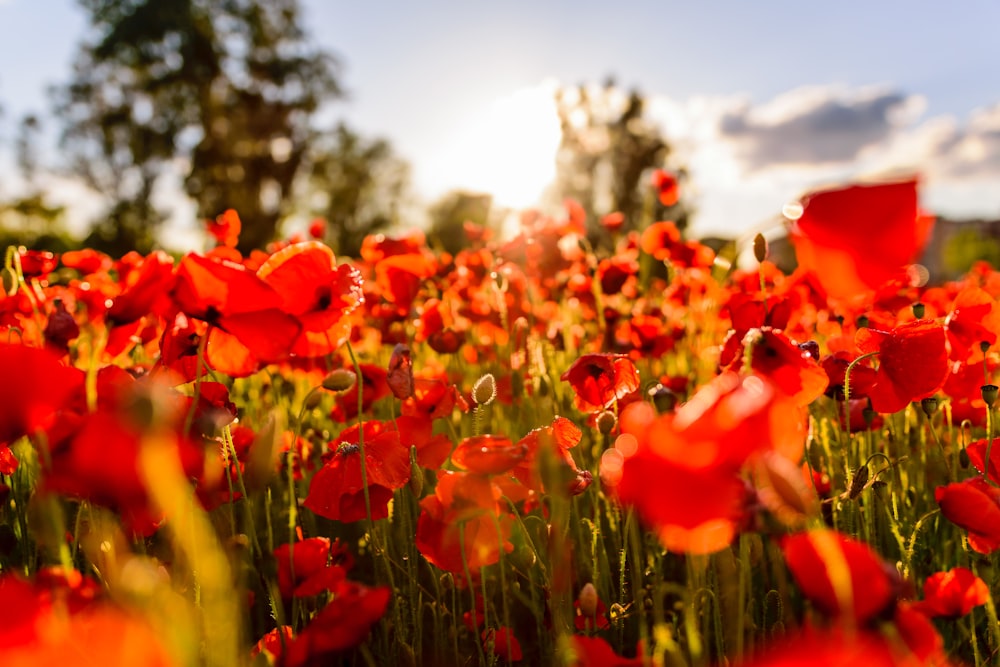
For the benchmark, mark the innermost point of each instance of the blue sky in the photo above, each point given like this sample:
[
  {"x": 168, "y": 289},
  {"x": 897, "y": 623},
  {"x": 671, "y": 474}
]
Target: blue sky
[{"x": 761, "y": 99}]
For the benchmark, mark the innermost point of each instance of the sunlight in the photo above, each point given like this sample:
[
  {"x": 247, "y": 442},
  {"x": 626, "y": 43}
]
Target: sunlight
[{"x": 509, "y": 150}]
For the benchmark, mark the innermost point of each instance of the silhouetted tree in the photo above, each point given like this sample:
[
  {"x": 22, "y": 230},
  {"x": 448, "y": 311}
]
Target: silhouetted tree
[
  {"x": 607, "y": 151},
  {"x": 221, "y": 91},
  {"x": 358, "y": 185},
  {"x": 449, "y": 214}
]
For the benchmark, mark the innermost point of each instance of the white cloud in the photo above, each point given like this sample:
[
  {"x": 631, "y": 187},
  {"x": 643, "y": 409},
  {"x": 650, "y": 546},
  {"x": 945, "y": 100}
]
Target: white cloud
[{"x": 747, "y": 160}]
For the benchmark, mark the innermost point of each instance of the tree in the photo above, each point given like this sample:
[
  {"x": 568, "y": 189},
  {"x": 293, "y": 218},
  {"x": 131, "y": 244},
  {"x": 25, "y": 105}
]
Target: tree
[
  {"x": 608, "y": 146},
  {"x": 221, "y": 91},
  {"x": 449, "y": 214},
  {"x": 358, "y": 185}
]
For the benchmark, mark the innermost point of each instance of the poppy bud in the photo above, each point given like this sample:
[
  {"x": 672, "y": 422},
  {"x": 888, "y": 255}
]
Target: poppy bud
[
  {"x": 9, "y": 281},
  {"x": 313, "y": 400},
  {"x": 984, "y": 346},
  {"x": 760, "y": 248},
  {"x": 340, "y": 380},
  {"x": 868, "y": 414},
  {"x": 929, "y": 405},
  {"x": 606, "y": 422},
  {"x": 588, "y": 600},
  {"x": 400, "y": 375},
  {"x": 918, "y": 310},
  {"x": 811, "y": 348},
  {"x": 963, "y": 458},
  {"x": 989, "y": 392},
  {"x": 485, "y": 390},
  {"x": 664, "y": 399},
  {"x": 858, "y": 483}
]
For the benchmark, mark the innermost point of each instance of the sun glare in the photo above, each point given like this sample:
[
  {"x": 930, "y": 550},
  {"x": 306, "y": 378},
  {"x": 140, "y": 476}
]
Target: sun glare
[{"x": 508, "y": 151}]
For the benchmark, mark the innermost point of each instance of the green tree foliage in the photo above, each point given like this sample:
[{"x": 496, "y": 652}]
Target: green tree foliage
[
  {"x": 449, "y": 214},
  {"x": 219, "y": 92},
  {"x": 607, "y": 152},
  {"x": 966, "y": 247},
  {"x": 29, "y": 218},
  {"x": 358, "y": 185}
]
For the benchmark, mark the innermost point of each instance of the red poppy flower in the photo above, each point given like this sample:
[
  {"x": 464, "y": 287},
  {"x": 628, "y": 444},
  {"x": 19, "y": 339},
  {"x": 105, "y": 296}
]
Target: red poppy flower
[
  {"x": 400, "y": 277},
  {"x": 298, "y": 566},
  {"x": 560, "y": 437},
  {"x": 86, "y": 261},
  {"x": 840, "y": 575},
  {"x": 459, "y": 524},
  {"x": 342, "y": 624},
  {"x": 97, "y": 455},
  {"x": 504, "y": 643},
  {"x": 377, "y": 247},
  {"x": 722, "y": 426},
  {"x": 42, "y": 623},
  {"x": 862, "y": 378},
  {"x": 598, "y": 380},
  {"x": 836, "y": 646},
  {"x": 374, "y": 387},
  {"x": 488, "y": 454},
  {"x": 690, "y": 510},
  {"x": 245, "y": 313},
  {"x": 856, "y": 238},
  {"x": 337, "y": 490},
  {"x": 317, "y": 229},
  {"x": 36, "y": 386},
  {"x": 37, "y": 263},
  {"x": 665, "y": 184},
  {"x": 613, "y": 222},
  {"x": 317, "y": 292},
  {"x": 776, "y": 357},
  {"x": 952, "y": 594},
  {"x": 974, "y": 319},
  {"x": 434, "y": 398},
  {"x": 145, "y": 287},
  {"x": 912, "y": 363},
  {"x": 226, "y": 228},
  {"x": 977, "y": 456},
  {"x": 973, "y": 505}
]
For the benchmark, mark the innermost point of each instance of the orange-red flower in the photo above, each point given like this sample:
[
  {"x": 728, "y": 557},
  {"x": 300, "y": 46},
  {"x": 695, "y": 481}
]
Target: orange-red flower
[
  {"x": 975, "y": 506},
  {"x": 598, "y": 380},
  {"x": 776, "y": 357},
  {"x": 855, "y": 238},
  {"x": 337, "y": 489},
  {"x": 974, "y": 319},
  {"x": 463, "y": 522},
  {"x": 247, "y": 322},
  {"x": 913, "y": 363},
  {"x": 841, "y": 576},
  {"x": 317, "y": 292},
  {"x": 59, "y": 615},
  {"x": 665, "y": 184},
  {"x": 953, "y": 593}
]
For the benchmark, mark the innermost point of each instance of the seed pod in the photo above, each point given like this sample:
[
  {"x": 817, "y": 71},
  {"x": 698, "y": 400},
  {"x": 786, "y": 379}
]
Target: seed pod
[
  {"x": 588, "y": 600},
  {"x": 859, "y": 482},
  {"x": 340, "y": 380},
  {"x": 918, "y": 310},
  {"x": 485, "y": 390},
  {"x": 760, "y": 247}
]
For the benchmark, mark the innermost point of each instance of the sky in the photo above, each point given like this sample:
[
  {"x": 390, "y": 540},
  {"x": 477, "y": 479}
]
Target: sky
[{"x": 761, "y": 101}]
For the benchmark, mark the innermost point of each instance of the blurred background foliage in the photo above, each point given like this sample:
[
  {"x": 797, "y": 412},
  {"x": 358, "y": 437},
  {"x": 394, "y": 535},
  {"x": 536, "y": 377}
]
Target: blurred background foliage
[{"x": 225, "y": 101}]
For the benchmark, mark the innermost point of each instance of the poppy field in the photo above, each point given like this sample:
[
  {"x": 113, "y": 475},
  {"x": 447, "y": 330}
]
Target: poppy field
[{"x": 536, "y": 451}]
